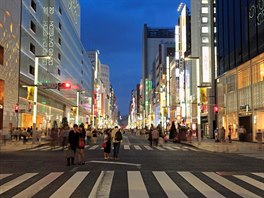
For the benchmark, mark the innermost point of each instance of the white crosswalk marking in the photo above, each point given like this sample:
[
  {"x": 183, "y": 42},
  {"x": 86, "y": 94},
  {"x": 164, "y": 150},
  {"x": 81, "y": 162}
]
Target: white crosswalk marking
[
  {"x": 169, "y": 148},
  {"x": 259, "y": 174},
  {"x": 35, "y": 188},
  {"x": 254, "y": 155},
  {"x": 206, "y": 190},
  {"x": 105, "y": 185},
  {"x": 126, "y": 147},
  {"x": 93, "y": 147},
  {"x": 250, "y": 181},
  {"x": 2, "y": 176},
  {"x": 230, "y": 185},
  {"x": 137, "y": 147},
  {"x": 7, "y": 186},
  {"x": 136, "y": 186},
  {"x": 179, "y": 148},
  {"x": 148, "y": 148},
  {"x": 160, "y": 148},
  {"x": 169, "y": 187},
  {"x": 69, "y": 187}
]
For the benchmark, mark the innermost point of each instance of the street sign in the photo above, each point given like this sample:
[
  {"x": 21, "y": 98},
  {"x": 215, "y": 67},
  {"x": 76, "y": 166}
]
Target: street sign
[{"x": 49, "y": 86}]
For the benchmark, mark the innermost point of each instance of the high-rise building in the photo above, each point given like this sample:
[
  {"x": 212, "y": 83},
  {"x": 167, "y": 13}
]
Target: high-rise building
[
  {"x": 152, "y": 37},
  {"x": 50, "y": 29},
  {"x": 9, "y": 62},
  {"x": 240, "y": 69}
]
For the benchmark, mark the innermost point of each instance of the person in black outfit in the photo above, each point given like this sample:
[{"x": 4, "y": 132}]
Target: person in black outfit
[{"x": 73, "y": 143}]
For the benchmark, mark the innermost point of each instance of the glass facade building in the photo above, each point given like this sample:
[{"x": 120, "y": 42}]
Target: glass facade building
[
  {"x": 52, "y": 28},
  {"x": 240, "y": 57}
]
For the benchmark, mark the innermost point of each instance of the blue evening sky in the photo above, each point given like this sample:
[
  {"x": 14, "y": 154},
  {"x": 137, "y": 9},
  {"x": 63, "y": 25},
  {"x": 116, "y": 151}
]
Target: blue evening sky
[{"x": 115, "y": 28}]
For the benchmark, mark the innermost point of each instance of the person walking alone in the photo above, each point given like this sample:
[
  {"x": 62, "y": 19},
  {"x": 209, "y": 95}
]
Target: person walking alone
[{"x": 107, "y": 144}]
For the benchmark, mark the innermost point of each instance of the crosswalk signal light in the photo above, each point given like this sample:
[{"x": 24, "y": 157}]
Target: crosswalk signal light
[
  {"x": 216, "y": 109},
  {"x": 64, "y": 85},
  {"x": 16, "y": 108}
]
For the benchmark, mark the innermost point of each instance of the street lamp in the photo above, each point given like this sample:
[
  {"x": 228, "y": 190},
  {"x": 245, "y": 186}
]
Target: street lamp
[
  {"x": 198, "y": 95},
  {"x": 34, "y": 118}
]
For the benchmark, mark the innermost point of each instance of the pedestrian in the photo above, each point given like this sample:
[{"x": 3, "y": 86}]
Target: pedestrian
[
  {"x": 81, "y": 145},
  {"x": 72, "y": 143},
  {"x": 155, "y": 136},
  {"x": 229, "y": 134},
  {"x": 89, "y": 134},
  {"x": 242, "y": 133},
  {"x": 107, "y": 143},
  {"x": 189, "y": 135},
  {"x": 150, "y": 135},
  {"x": 94, "y": 132},
  {"x": 216, "y": 134},
  {"x": 65, "y": 135},
  {"x": 173, "y": 131},
  {"x": 116, "y": 139},
  {"x": 223, "y": 134}
]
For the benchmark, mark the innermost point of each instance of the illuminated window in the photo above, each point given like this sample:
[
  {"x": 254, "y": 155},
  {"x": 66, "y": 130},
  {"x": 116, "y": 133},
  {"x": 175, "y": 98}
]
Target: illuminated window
[
  {"x": 205, "y": 40},
  {"x": 258, "y": 72},
  {"x": 204, "y": 19},
  {"x": 1, "y": 55},
  {"x": 230, "y": 83},
  {"x": 243, "y": 77},
  {"x": 32, "y": 48},
  {"x": 205, "y": 10},
  {"x": 204, "y": 1},
  {"x": 33, "y": 5},
  {"x": 33, "y": 26},
  {"x": 205, "y": 30}
]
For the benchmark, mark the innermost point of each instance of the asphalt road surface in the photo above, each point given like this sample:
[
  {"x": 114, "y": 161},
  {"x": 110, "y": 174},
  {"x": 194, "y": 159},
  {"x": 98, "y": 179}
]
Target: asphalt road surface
[{"x": 169, "y": 170}]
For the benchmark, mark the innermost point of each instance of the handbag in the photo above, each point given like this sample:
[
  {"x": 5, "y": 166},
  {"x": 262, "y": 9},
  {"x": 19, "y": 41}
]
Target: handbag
[
  {"x": 104, "y": 145},
  {"x": 68, "y": 153}
]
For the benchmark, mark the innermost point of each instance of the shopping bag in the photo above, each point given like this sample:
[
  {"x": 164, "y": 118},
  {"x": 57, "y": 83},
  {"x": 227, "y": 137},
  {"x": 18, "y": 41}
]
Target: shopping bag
[{"x": 68, "y": 153}]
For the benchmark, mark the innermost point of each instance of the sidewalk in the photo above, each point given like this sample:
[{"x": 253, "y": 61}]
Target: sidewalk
[
  {"x": 225, "y": 147},
  {"x": 13, "y": 145}
]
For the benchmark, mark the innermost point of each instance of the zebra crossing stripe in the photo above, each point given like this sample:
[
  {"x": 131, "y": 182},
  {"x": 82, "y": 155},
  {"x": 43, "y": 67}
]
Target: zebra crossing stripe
[
  {"x": 250, "y": 181},
  {"x": 206, "y": 190},
  {"x": 40, "y": 148},
  {"x": 126, "y": 147},
  {"x": 169, "y": 187},
  {"x": 137, "y": 147},
  {"x": 105, "y": 185},
  {"x": 259, "y": 174},
  {"x": 69, "y": 187},
  {"x": 148, "y": 148},
  {"x": 169, "y": 148},
  {"x": 7, "y": 186},
  {"x": 160, "y": 148},
  {"x": 2, "y": 176},
  {"x": 230, "y": 185},
  {"x": 93, "y": 147},
  {"x": 136, "y": 186},
  {"x": 58, "y": 148},
  {"x": 179, "y": 148},
  {"x": 35, "y": 188}
]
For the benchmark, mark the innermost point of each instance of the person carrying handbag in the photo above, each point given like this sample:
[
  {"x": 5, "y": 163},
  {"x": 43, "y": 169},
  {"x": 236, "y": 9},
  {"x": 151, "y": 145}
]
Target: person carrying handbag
[{"x": 81, "y": 144}]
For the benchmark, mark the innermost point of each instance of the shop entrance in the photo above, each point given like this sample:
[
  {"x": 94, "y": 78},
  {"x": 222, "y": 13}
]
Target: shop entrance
[{"x": 246, "y": 121}]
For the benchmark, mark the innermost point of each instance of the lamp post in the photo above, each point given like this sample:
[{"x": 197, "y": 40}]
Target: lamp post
[
  {"x": 198, "y": 96},
  {"x": 34, "y": 118}
]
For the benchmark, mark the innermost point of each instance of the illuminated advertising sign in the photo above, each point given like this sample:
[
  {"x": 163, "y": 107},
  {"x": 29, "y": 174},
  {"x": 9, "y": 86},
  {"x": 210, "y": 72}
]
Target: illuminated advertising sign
[{"x": 206, "y": 71}]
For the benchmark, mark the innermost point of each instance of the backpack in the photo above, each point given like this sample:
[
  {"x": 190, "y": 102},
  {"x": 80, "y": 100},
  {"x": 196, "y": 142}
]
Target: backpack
[{"x": 118, "y": 136}]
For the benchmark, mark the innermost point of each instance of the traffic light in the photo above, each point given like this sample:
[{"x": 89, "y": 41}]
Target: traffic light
[
  {"x": 16, "y": 108},
  {"x": 64, "y": 85},
  {"x": 216, "y": 109}
]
